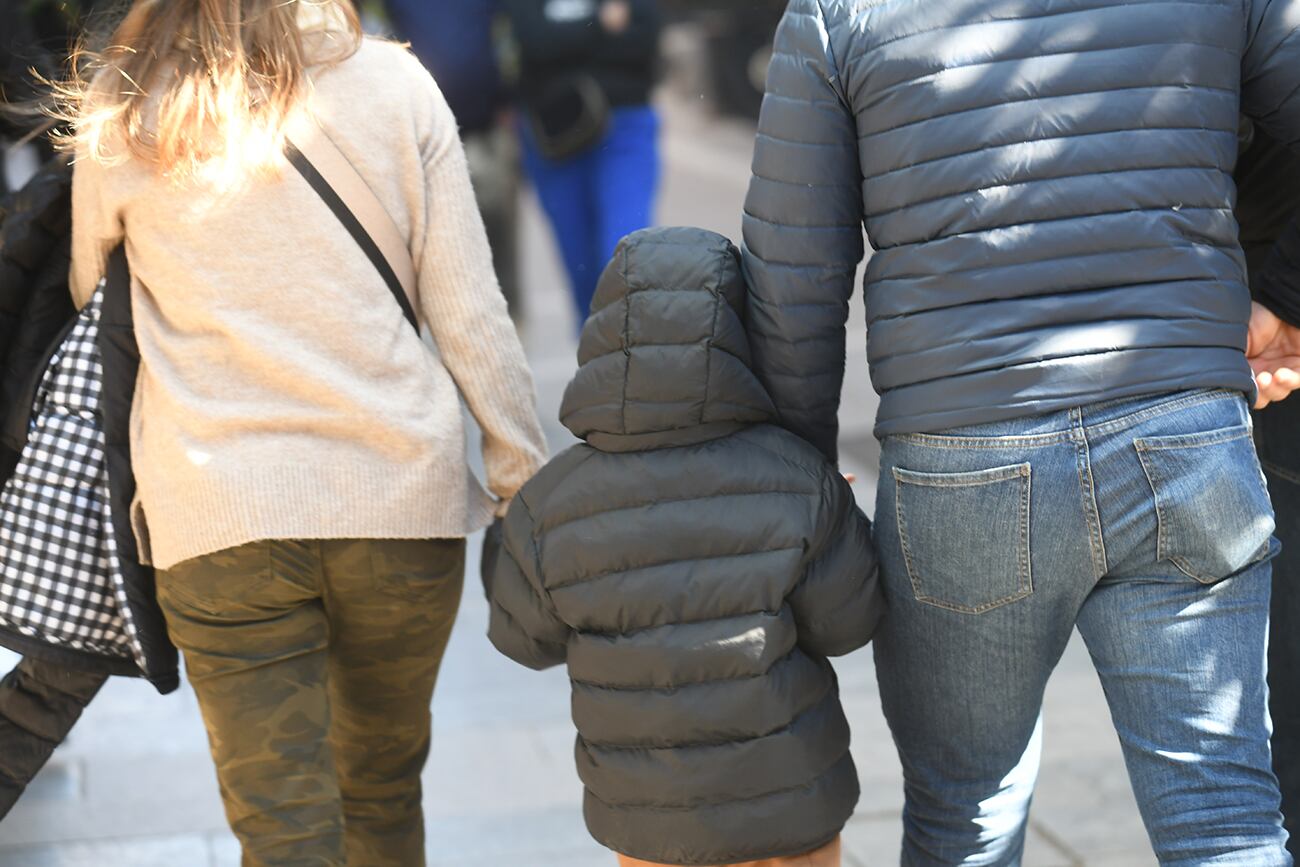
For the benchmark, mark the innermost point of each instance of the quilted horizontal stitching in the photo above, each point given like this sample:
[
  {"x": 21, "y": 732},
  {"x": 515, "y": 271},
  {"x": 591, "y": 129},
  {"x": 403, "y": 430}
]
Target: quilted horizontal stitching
[
  {"x": 681, "y": 683},
  {"x": 1095, "y": 173},
  {"x": 804, "y": 184},
  {"x": 701, "y": 744},
  {"x": 1105, "y": 254},
  {"x": 901, "y": 357},
  {"x": 995, "y": 61},
  {"x": 1002, "y": 227},
  {"x": 1179, "y": 86},
  {"x": 857, "y": 224},
  {"x": 1020, "y": 18},
  {"x": 691, "y": 622},
  {"x": 676, "y": 561},
  {"x": 661, "y": 501},
  {"x": 1043, "y": 140},
  {"x": 619, "y": 350},
  {"x": 1028, "y": 361}
]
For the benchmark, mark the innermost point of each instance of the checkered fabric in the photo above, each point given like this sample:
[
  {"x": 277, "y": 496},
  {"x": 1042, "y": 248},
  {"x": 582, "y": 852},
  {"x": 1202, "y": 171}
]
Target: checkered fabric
[{"x": 60, "y": 579}]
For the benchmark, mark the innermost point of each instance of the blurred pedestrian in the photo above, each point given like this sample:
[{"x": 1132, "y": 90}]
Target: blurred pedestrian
[
  {"x": 456, "y": 40},
  {"x": 1062, "y": 335},
  {"x": 694, "y": 565},
  {"x": 1268, "y": 190},
  {"x": 303, "y": 487},
  {"x": 590, "y": 136}
]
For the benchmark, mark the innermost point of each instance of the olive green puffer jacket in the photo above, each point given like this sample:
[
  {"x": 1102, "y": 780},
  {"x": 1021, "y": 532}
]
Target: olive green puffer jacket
[{"x": 694, "y": 565}]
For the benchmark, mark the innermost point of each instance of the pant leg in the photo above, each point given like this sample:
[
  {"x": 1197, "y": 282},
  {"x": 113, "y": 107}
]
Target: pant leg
[
  {"x": 493, "y": 158},
  {"x": 627, "y": 177},
  {"x": 564, "y": 189},
  {"x": 1177, "y": 631},
  {"x": 391, "y": 606},
  {"x": 1183, "y": 672},
  {"x": 1278, "y": 435},
  {"x": 983, "y": 572},
  {"x": 40, "y": 701},
  {"x": 252, "y": 628}
]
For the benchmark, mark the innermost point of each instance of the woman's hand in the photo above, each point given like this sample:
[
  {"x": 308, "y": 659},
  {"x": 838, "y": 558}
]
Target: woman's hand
[
  {"x": 1273, "y": 351},
  {"x": 615, "y": 15}
]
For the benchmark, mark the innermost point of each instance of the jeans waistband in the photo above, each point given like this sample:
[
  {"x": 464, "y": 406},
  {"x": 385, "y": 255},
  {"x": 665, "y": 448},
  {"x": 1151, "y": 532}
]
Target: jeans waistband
[{"x": 1105, "y": 416}]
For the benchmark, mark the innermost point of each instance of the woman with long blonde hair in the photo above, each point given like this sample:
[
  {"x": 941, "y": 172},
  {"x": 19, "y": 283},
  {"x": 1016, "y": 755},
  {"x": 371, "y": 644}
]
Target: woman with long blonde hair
[{"x": 303, "y": 486}]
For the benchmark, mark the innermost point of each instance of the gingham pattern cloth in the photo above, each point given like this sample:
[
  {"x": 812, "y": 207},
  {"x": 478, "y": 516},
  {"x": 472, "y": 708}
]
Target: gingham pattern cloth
[{"x": 60, "y": 579}]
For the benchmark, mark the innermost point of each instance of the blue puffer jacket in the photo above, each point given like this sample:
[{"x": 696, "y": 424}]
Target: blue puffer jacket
[{"x": 1047, "y": 184}]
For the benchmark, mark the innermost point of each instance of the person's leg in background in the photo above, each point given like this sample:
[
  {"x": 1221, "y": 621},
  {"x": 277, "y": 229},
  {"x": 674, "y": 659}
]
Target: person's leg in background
[
  {"x": 40, "y": 701},
  {"x": 391, "y": 606},
  {"x": 493, "y": 157},
  {"x": 983, "y": 587},
  {"x": 1178, "y": 626},
  {"x": 627, "y": 177},
  {"x": 565, "y": 190},
  {"x": 1277, "y": 433},
  {"x": 251, "y": 624}
]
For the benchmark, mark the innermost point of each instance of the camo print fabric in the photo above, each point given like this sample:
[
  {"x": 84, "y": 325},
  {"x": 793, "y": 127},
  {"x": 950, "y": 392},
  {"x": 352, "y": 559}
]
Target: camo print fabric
[{"x": 314, "y": 663}]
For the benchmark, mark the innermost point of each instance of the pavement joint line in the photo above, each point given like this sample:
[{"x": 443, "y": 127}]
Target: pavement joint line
[{"x": 1055, "y": 841}]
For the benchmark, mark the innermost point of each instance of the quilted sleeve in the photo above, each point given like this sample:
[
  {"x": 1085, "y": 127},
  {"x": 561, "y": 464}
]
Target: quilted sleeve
[
  {"x": 522, "y": 623},
  {"x": 1270, "y": 85},
  {"x": 839, "y": 602},
  {"x": 803, "y": 228}
]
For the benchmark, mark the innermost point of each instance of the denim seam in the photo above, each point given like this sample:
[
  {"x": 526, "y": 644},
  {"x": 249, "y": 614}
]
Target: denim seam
[
  {"x": 1191, "y": 441},
  {"x": 940, "y": 441},
  {"x": 1182, "y": 564},
  {"x": 1187, "y": 402},
  {"x": 1092, "y": 513},
  {"x": 1025, "y": 580},
  {"x": 960, "y": 480}
]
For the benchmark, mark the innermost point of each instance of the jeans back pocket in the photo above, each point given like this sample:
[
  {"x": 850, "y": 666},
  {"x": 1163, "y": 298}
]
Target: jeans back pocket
[
  {"x": 1213, "y": 514},
  {"x": 965, "y": 536}
]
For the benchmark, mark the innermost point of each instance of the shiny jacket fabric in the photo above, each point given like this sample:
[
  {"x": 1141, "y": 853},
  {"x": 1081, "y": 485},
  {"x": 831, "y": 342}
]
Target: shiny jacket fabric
[
  {"x": 695, "y": 566},
  {"x": 1046, "y": 183},
  {"x": 36, "y": 313}
]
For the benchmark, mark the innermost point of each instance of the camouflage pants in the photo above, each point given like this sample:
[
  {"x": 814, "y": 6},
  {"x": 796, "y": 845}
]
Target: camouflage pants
[{"x": 314, "y": 664}]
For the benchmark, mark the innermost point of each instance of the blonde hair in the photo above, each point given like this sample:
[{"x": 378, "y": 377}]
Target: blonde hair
[{"x": 200, "y": 88}]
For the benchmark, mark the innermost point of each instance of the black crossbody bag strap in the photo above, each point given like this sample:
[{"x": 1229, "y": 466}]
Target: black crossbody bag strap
[{"x": 329, "y": 173}]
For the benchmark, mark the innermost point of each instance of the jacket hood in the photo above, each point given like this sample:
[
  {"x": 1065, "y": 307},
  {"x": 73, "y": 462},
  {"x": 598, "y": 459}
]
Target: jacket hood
[{"x": 663, "y": 359}]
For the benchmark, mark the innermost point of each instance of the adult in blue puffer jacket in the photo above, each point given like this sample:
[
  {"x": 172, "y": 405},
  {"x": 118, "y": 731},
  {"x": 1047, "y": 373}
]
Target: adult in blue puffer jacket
[{"x": 1062, "y": 336}]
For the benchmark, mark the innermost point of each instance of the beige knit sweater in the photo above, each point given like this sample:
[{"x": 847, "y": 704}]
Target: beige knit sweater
[{"x": 282, "y": 394}]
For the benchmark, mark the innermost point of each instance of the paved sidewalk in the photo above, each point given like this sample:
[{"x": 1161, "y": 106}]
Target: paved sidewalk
[{"x": 134, "y": 786}]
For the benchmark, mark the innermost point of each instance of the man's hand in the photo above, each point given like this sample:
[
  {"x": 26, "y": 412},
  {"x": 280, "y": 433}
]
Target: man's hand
[
  {"x": 1273, "y": 351},
  {"x": 615, "y": 15}
]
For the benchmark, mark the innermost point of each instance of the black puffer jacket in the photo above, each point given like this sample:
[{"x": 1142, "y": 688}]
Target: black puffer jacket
[
  {"x": 560, "y": 38},
  {"x": 35, "y": 305},
  {"x": 36, "y": 312},
  {"x": 695, "y": 566},
  {"x": 1047, "y": 185}
]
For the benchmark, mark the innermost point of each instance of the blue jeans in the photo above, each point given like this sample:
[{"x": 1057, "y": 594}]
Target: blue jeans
[
  {"x": 595, "y": 198},
  {"x": 1144, "y": 523},
  {"x": 1277, "y": 434}
]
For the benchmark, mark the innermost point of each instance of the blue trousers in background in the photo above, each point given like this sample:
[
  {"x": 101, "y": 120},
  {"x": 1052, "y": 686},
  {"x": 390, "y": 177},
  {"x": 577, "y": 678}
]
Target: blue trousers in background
[
  {"x": 1277, "y": 432},
  {"x": 595, "y": 198},
  {"x": 1145, "y": 524}
]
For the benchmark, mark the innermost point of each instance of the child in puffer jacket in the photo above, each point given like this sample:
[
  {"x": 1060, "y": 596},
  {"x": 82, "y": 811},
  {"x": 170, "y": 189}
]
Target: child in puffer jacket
[{"x": 695, "y": 565}]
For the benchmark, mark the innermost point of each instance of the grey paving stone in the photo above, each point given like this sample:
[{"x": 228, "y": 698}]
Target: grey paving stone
[{"x": 184, "y": 851}]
